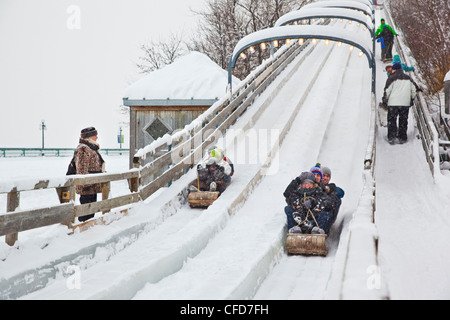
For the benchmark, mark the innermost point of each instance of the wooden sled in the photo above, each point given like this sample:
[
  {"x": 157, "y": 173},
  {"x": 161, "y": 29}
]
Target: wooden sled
[
  {"x": 202, "y": 199},
  {"x": 306, "y": 244},
  {"x": 382, "y": 115}
]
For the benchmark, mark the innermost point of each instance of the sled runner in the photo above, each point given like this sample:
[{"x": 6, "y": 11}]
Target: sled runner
[
  {"x": 306, "y": 244},
  {"x": 202, "y": 199}
]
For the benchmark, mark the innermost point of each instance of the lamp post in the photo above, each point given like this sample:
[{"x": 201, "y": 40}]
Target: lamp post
[
  {"x": 43, "y": 127},
  {"x": 120, "y": 138}
]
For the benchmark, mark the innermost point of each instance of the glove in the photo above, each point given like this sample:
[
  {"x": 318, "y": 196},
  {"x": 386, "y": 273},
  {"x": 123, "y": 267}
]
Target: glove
[{"x": 308, "y": 204}]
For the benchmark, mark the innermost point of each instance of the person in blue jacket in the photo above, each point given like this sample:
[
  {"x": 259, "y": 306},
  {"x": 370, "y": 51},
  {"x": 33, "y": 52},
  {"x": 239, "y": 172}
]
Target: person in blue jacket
[
  {"x": 405, "y": 68},
  {"x": 383, "y": 47}
]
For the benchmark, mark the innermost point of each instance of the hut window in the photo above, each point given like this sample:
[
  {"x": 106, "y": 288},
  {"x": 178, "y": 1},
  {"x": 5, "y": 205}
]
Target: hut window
[{"x": 157, "y": 128}]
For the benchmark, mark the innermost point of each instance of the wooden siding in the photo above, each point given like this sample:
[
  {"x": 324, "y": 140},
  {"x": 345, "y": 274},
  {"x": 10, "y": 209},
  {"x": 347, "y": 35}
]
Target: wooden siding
[{"x": 177, "y": 117}]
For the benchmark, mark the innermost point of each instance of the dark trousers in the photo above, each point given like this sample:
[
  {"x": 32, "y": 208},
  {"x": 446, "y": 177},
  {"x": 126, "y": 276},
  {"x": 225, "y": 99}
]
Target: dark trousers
[
  {"x": 388, "y": 49},
  {"x": 290, "y": 218},
  {"x": 87, "y": 198},
  {"x": 401, "y": 113}
]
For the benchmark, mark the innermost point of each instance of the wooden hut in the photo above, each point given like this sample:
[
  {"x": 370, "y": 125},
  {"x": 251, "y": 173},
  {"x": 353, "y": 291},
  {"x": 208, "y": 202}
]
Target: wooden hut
[{"x": 170, "y": 98}]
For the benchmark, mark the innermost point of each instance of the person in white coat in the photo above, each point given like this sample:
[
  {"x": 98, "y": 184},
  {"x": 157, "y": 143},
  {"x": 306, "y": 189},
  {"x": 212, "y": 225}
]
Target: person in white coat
[{"x": 399, "y": 93}]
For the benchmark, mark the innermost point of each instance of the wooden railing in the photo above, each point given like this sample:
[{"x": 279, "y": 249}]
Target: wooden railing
[
  {"x": 173, "y": 160},
  {"x": 14, "y": 221}
]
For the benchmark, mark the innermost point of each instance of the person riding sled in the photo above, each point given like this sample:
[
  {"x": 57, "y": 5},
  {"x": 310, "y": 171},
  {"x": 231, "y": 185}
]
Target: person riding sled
[
  {"x": 309, "y": 209},
  {"x": 213, "y": 172}
]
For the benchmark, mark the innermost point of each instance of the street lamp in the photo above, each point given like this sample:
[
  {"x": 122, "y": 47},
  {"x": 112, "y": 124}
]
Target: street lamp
[{"x": 43, "y": 127}]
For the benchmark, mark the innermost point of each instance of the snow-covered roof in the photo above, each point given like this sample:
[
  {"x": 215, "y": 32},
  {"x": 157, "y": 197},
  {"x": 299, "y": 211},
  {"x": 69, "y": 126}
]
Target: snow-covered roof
[{"x": 193, "y": 76}]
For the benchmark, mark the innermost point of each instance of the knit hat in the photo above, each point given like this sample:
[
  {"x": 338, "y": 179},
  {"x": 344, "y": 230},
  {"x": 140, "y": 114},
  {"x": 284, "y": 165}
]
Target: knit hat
[
  {"x": 307, "y": 176},
  {"x": 397, "y": 66},
  {"x": 88, "y": 132},
  {"x": 326, "y": 170},
  {"x": 216, "y": 153},
  {"x": 396, "y": 59},
  {"x": 317, "y": 169}
]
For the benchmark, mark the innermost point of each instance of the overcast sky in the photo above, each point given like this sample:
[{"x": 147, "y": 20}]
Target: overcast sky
[{"x": 69, "y": 62}]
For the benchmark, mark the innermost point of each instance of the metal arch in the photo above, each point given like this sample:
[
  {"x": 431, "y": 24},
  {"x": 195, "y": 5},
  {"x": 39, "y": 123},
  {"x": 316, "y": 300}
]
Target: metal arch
[
  {"x": 346, "y": 4},
  {"x": 297, "y": 32},
  {"x": 367, "y": 2},
  {"x": 318, "y": 13}
]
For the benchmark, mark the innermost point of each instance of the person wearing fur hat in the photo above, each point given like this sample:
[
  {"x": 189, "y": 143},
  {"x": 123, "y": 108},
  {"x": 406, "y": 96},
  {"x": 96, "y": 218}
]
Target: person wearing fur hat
[
  {"x": 399, "y": 92},
  {"x": 306, "y": 205},
  {"x": 88, "y": 161}
]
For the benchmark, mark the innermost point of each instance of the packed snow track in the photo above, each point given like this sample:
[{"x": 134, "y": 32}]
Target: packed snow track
[{"x": 235, "y": 248}]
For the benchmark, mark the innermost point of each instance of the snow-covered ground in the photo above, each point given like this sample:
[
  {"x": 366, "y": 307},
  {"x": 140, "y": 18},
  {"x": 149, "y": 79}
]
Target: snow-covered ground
[{"x": 235, "y": 248}]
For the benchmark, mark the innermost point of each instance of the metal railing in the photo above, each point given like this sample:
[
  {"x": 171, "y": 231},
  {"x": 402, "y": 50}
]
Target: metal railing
[{"x": 51, "y": 152}]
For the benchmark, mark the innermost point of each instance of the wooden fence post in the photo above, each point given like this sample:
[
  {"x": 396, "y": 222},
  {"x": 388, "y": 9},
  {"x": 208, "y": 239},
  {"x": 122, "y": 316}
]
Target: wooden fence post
[
  {"x": 106, "y": 188},
  {"x": 65, "y": 195},
  {"x": 134, "y": 183},
  {"x": 12, "y": 204}
]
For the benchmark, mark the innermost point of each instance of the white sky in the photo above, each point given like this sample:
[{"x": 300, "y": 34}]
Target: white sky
[{"x": 75, "y": 78}]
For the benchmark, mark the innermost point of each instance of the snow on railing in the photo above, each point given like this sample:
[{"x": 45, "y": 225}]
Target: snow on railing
[
  {"x": 185, "y": 148},
  {"x": 358, "y": 274}
]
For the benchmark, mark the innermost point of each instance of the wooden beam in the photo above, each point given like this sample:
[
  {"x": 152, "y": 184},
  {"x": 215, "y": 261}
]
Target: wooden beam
[{"x": 31, "y": 219}]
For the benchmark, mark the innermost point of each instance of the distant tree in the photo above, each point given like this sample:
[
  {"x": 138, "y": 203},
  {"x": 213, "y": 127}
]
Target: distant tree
[
  {"x": 158, "y": 54},
  {"x": 224, "y": 22},
  {"x": 426, "y": 28}
]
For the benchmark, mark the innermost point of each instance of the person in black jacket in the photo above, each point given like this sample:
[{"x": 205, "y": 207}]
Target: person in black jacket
[
  {"x": 334, "y": 192},
  {"x": 309, "y": 210}
]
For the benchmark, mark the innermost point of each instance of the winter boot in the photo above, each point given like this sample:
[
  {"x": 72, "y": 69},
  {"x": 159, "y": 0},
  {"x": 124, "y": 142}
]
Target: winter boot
[
  {"x": 317, "y": 230},
  {"x": 295, "y": 230}
]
